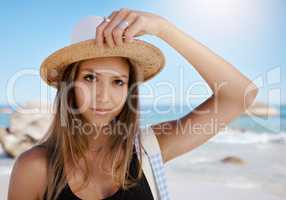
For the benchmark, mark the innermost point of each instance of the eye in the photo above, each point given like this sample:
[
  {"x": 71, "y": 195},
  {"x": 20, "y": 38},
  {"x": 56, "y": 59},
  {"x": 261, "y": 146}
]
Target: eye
[
  {"x": 89, "y": 77},
  {"x": 119, "y": 82}
]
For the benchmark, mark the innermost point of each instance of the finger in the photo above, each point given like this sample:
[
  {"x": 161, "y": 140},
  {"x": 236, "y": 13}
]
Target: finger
[
  {"x": 107, "y": 32},
  {"x": 99, "y": 30},
  {"x": 118, "y": 31},
  {"x": 133, "y": 29}
]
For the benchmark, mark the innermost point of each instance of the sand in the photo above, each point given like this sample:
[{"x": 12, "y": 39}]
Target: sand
[{"x": 182, "y": 188}]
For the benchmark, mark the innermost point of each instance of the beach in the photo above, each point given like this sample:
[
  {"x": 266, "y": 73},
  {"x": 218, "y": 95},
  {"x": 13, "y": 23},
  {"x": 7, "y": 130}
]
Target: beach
[
  {"x": 204, "y": 190},
  {"x": 245, "y": 161},
  {"x": 200, "y": 65},
  {"x": 5, "y": 170},
  {"x": 200, "y": 175}
]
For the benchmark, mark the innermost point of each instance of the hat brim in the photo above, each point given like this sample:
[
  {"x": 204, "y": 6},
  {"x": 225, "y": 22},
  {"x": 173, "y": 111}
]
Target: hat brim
[{"x": 144, "y": 56}]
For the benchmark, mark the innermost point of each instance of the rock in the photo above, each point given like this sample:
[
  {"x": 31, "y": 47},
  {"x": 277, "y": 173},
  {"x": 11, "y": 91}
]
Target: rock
[
  {"x": 28, "y": 124},
  {"x": 233, "y": 160},
  {"x": 33, "y": 119},
  {"x": 13, "y": 145}
]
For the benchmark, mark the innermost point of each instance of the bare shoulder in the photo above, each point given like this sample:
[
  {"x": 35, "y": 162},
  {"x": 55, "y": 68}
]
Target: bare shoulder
[
  {"x": 35, "y": 155},
  {"x": 29, "y": 175}
]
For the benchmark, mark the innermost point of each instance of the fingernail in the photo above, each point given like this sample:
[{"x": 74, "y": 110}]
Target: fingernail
[{"x": 129, "y": 39}]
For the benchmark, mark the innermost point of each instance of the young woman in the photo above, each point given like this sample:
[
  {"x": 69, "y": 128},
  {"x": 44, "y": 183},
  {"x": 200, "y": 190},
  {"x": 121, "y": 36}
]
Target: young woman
[{"x": 87, "y": 153}]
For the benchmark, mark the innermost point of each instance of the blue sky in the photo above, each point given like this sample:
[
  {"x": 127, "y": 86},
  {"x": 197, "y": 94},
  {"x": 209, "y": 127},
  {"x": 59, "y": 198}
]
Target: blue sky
[{"x": 248, "y": 34}]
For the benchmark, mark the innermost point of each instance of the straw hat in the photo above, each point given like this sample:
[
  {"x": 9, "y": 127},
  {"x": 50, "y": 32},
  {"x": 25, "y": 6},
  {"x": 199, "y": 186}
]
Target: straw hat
[{"x": 147, "y": 59}]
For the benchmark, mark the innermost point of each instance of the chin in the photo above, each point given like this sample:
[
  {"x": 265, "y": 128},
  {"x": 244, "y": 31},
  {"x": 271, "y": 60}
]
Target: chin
[{"x": 100, "y": 122}]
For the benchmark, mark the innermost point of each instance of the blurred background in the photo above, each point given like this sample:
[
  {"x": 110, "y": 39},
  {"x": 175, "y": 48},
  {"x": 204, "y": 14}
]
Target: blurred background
[{"x": 247, "y": 159}]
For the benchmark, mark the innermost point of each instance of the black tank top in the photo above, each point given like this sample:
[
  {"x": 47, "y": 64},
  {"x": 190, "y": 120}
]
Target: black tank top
[{"x": 140, "y": 191}]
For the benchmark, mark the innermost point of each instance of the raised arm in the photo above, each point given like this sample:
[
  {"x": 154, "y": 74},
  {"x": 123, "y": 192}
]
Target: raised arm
[
  {"x": 232, "y": 94},
  {"x": 232, "y": 91}
]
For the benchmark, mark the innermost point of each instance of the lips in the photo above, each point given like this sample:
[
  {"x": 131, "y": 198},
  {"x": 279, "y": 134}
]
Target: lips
[{"x": 100, "y": 111}]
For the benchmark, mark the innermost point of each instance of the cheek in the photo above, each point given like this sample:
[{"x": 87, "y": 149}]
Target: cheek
[
  {"x": 82, "y": 97},
  {"x": 119, "y": 98}
]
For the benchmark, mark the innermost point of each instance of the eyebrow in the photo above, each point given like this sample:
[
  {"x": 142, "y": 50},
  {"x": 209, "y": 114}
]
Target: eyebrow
[{"x": 90, "y": 70}]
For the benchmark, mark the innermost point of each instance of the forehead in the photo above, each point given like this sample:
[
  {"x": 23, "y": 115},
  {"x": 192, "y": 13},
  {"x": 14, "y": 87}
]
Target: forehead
[{"x": 106, "y": 65}]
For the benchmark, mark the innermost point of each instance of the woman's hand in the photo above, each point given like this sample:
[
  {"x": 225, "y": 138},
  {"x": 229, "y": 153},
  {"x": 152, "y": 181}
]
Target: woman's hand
[{"x": 140, "y": 23}]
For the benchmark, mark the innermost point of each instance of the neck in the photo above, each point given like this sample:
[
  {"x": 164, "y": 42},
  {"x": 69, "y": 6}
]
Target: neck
[{"x": 100, "y": 138}]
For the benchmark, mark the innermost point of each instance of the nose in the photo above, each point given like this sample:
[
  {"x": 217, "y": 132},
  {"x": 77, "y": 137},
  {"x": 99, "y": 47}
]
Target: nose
[{"x": 103, "y": 91}]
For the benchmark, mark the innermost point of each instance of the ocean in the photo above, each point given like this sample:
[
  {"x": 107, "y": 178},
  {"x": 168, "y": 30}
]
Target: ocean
[
  {"x": 259, "y": 142},
  {"x": 254, "y": 129}
]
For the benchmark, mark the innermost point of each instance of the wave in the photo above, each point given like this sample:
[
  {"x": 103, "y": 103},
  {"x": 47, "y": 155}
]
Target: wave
[{"x": 248, "y": 137}]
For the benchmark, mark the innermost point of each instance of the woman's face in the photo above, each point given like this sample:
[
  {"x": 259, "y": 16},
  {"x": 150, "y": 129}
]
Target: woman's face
[{"x": 102, "y": 84}]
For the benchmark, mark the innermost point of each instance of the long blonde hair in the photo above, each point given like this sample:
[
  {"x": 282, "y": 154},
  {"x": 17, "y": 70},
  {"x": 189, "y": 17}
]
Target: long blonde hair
[{"x": 62, "y": 147}]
